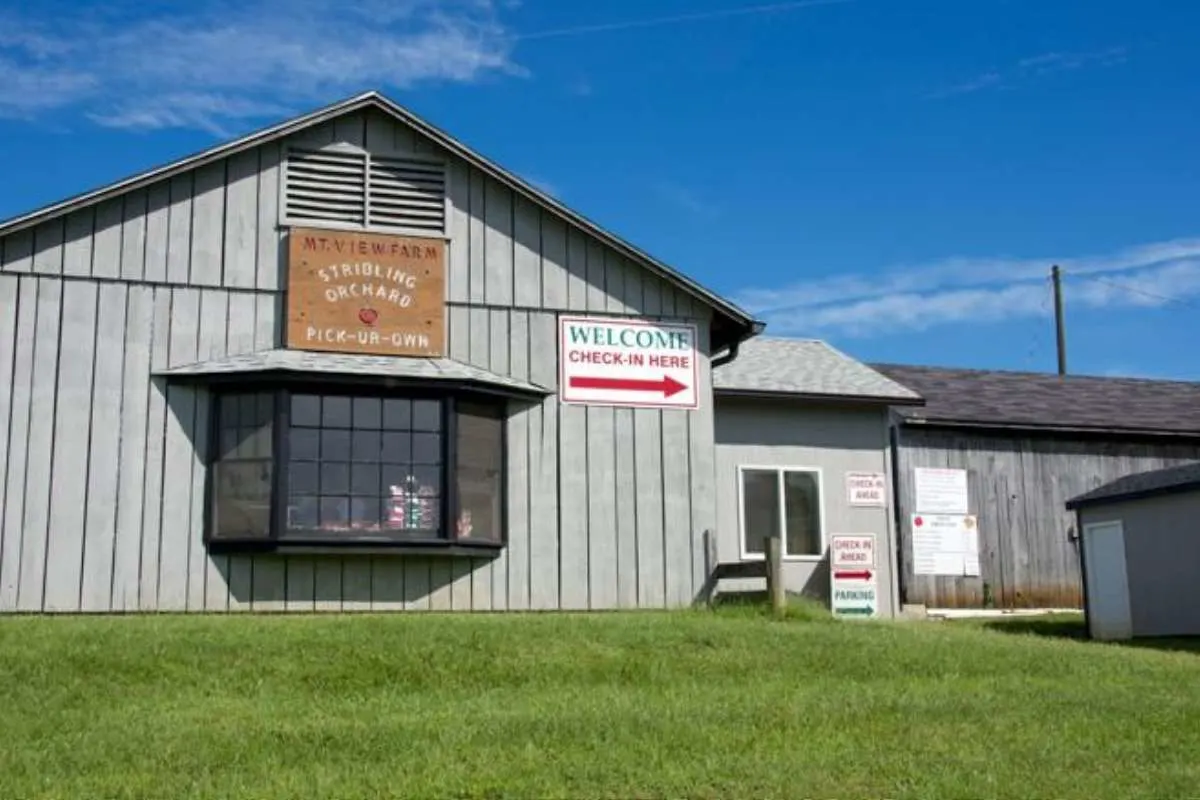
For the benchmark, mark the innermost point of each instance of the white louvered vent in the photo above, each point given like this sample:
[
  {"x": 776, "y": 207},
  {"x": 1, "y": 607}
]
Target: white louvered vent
[{"x": 388, "y": 192}]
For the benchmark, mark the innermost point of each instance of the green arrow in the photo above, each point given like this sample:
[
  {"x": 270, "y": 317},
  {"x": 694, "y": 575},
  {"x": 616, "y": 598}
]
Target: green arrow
[{"x": 864, "y": 610}]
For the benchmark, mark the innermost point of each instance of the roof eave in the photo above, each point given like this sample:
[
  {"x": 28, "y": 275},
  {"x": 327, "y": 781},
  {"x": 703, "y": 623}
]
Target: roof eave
[
  {"x": 1085, "y": 501},
  {"x": 1035, "y": 427},
  {"x": 815, "y": 397}
]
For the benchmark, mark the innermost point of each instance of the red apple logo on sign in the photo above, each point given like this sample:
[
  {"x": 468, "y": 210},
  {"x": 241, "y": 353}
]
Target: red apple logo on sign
[
  {"x": 918, "y": 522},
  {"x": 368, "y": 315}
]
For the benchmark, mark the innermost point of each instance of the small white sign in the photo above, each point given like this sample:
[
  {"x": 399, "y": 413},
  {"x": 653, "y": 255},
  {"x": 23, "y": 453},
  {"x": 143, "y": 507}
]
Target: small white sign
[
  {"x": 852, "y": 551},
  {"x": 941, "y": 491},
  {"x": 945, "y": 544},
  {"x": 866, "y": 489},
  {"x": 627, "y": 362},
  {"x": 854, "y": 594}
]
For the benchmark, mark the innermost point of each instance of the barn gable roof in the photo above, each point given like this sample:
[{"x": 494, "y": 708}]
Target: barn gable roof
[
  {"x": 736, "y": 321},
  {"x": 972, "y": 398}
]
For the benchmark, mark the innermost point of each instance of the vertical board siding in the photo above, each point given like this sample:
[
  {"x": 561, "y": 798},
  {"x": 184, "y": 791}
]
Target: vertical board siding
[
  {"x": 69, "y": 480},
  {"x": 131, "y": 463},
  {"x": 179, "y": 230},
  {"x": 497, "y": 244},
  {"x": 519, "y": 475},
  {"x": 77, "y": 250},
  {"x": 241, "y": 243},
  {"x": 543, "y": 469},
  {"x": 648, "y": 497},
  {"x": 602, "y": 505},
  {"x": 35, "y": 525},
  {"x": 156, "y": 419},
  {"x": 626, "y": 509},
  {"x": 677, "y": 508},
  {"x": 158, "y": 214},
  {"x": 178, "y": 456},
  {"x": 106, "y": 240},
  {"x": 16, "y": 252},
  {"x": 48, "y": 251},
  {"x": 1018, "y": 488},
  {"x": 9, "y": 311},
  {"x": 103, "y": 460},
  {"x": 206, "y": 574},
  {"x": 133, "y": 236},
  {"x": 17, "y": 453},
  {"x": 270, "y": 259},
  {"x": 208, "y": 221}
]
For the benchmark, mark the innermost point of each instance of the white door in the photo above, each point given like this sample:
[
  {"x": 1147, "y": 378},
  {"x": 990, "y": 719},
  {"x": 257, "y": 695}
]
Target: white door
[{"x": 1108, "y": 614}]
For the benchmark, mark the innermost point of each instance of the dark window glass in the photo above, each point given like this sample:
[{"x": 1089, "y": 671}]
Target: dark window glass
[
  {"x": 426, "y": 448},
  {"x": 304, "y": 444},
  {"x": 362, "y": 465},
  {"x": 306, "y": 410},
  {"x": 397, "y": 448},
  {"x": 335, "y": 412},
  {"x": 397, "y": 414},
  {"x": 366, "y": 446},
  {"x": 304, "y": 478},
  {"x": 364, "y": 480},
  {"x": 335, "y": 445},
  {"x": 368, "y": 413},
  {"x": 335, "y": 478},
  {"x": 426, "y": 415},
  {"x": 802, "y": 514},
  {"x": 760, "y": 508},
  {"x": 242, "y": 469},
  {"x": 479, "y": 472}
]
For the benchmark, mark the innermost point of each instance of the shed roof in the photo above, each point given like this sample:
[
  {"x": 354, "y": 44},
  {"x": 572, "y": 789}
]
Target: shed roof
[
  {"x": 743, "y": 323},
  {"x": 1169, "y": 480},
  {"x": 972, "y": 398},
  {"x": 811, "y": 368},
  {"x": 444, "y": 370}
]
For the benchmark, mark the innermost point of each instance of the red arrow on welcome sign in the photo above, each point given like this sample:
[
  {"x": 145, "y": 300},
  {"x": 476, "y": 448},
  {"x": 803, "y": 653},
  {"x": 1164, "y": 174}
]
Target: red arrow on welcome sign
[{"x": 667, "y": 385}]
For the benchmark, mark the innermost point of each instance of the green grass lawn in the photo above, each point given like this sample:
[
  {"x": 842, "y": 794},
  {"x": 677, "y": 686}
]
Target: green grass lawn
[{"x": 689, "y": 704}]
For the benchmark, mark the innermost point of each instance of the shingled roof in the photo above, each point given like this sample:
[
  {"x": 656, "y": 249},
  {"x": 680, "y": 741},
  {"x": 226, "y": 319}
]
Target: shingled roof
[
  {"x": 1039, "y": 401},
  {"x": 1169, "y": 480},
  {"x": 767, "y": 365}
]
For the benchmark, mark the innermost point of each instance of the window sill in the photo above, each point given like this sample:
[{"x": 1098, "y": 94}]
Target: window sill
[{"x": 312, "y": 545}]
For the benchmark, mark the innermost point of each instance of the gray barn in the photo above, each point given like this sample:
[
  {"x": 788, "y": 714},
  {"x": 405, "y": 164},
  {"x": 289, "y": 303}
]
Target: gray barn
[
  {"x": 318, "y": 368},
  {"x": 1029, "y": 442},
  {"x": 1140, "y": 549}
]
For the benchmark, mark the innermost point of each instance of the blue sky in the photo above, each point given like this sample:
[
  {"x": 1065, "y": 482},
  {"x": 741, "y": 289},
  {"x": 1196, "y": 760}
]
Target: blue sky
[{"x": 894, "y": 176}]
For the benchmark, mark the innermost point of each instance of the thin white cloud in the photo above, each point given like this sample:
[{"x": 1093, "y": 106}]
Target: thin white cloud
[
  {"x": 684, "y": 198},
  {"x": 973, "y": 291},
  {"x": 1032, "y": 66},
  {"x": 220, "y": 61}
]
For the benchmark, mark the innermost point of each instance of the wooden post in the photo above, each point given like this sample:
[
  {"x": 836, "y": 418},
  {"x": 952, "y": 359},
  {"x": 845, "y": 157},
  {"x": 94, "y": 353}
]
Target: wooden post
[{"x": 775, "y": 586}]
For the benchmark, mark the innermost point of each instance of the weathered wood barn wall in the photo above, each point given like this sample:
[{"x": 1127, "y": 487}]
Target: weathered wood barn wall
[
  {"x": 1029, "y": 443},
  {"x": 104, "y": 468}
]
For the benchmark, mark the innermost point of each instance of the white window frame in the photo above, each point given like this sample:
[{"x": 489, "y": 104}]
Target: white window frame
[{"x": 780, "y": 469}]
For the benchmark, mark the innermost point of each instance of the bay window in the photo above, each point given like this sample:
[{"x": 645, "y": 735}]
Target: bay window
[{"x": 335, "y": 467}]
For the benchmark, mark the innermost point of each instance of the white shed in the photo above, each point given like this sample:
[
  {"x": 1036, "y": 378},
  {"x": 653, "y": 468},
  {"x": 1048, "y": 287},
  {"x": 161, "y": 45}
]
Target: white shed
[{"x": 1140, "y": 554}]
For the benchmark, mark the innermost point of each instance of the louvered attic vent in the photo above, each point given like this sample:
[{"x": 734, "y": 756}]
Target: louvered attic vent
[{"x": 388, "y": 192}]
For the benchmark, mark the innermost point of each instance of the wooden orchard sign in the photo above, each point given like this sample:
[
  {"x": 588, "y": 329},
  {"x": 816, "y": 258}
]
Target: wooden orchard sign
[{"x": 352, "y": 292}]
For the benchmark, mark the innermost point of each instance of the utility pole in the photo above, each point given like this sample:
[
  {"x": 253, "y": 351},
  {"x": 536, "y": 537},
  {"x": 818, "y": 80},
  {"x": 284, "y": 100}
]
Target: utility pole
[{"x": 1060, "y": 329}]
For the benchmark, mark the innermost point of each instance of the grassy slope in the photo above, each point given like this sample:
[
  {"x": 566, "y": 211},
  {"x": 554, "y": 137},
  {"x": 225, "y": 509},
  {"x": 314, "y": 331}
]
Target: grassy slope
[{"x": 689, "y": 704}]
